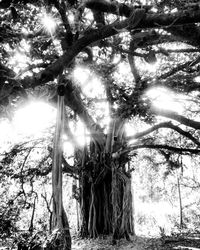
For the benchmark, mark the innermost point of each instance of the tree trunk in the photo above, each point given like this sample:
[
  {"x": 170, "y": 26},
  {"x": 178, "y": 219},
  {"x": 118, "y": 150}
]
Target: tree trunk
[{"x": 105, "y": 198}]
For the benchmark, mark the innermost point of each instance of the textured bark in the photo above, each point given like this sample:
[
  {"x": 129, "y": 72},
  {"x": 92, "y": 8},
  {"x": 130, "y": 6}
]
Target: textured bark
[{"x": 96, "y": 206}]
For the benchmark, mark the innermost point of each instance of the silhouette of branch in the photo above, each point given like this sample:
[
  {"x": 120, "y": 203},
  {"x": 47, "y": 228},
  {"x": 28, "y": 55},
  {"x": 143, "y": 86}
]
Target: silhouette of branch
[
  {"x": 164, "y": 125},
  {"x": 179, "y": 150},
  {"x": 175, "y": 116}
]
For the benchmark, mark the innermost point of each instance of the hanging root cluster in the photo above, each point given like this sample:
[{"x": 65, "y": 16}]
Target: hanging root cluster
[{"x": 122, "y": 205}]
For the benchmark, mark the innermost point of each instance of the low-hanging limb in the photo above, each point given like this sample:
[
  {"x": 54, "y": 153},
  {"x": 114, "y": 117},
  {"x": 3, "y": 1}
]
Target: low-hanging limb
[
  {"x": 158, "y": 147},
  {"x": 164, "y": 125},
  {"x": 175, "y": 116}
]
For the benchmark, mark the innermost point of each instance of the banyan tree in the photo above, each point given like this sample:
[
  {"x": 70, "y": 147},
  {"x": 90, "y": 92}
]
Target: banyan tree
[{"x": 63, "y": 39}]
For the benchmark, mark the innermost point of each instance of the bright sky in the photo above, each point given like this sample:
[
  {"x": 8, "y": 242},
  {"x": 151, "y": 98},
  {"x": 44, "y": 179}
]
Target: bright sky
[
  {"x": 34, "y": 118},
  {"x": 29, "y": 122}
]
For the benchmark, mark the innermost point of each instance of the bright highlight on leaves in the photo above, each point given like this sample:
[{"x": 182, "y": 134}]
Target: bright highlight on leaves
[
  {"x": 19, "y": 57},
  {"x": 18, "y": 61}
]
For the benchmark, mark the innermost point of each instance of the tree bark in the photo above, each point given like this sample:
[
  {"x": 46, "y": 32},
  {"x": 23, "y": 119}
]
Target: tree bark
[{"x": 105, "y": 189}]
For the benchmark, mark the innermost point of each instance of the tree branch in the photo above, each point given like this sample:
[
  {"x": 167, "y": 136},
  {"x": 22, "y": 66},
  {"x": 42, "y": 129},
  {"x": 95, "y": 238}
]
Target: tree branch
[
  {"x": 178, "y": 50},
  {"x": 113, "y": 7},
  {"x": 61, "y": 7},
  {"x": 164, "y": 125},
  {"x": 160, "y": 146},
  {"x": 175, "y": 116},
  {"x": 189, "y": 33},
  {"x": 132, "y": 63}
]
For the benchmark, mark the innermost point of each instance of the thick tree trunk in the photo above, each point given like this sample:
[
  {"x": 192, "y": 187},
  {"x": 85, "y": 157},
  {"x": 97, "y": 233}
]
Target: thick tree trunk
[
  {"x": 105, "y": 198},
  {"x": 95, "y": 206}
]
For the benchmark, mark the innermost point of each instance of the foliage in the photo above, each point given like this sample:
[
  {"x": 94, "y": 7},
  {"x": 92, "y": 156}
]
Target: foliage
[
  {"x": 156, "y": 195},
  {"x": 9, "y": 215}
]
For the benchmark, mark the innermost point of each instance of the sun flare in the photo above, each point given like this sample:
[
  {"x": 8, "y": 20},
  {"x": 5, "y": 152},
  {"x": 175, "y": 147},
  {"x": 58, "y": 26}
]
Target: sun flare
[
  {"x": 49, "y": 23},
  {"x": 34, "y": 118}
]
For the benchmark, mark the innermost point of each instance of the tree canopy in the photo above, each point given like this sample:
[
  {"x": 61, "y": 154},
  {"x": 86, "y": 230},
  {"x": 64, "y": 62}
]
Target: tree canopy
[{"x": 136, "y": 34}]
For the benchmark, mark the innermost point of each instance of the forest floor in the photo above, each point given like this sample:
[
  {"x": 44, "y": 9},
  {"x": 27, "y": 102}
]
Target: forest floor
[
  {"x": 138, "y": 243},
  {"x": 175, "y": 242}
]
